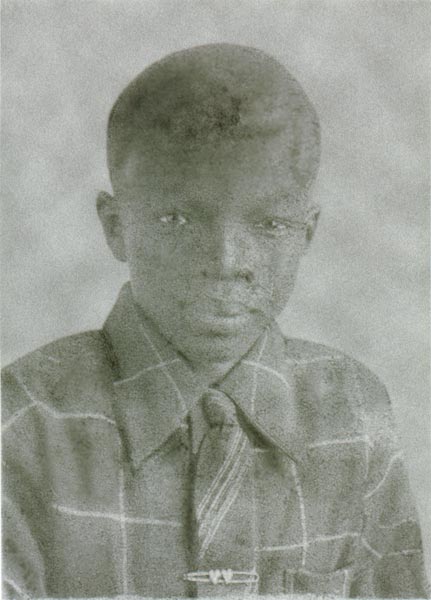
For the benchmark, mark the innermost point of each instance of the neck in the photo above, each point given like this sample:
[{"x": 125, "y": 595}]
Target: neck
[{"x": 214, "y": 371}]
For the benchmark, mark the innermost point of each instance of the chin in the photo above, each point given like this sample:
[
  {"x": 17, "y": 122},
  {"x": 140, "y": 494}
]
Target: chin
[{"x": 217, "y": 348}]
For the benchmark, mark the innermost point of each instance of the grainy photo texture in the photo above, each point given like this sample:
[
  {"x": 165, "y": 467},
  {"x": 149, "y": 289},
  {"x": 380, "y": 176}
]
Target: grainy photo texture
[{"x": 193, "y": 441}]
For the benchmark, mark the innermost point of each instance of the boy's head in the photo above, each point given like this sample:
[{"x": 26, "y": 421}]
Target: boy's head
[{"x": 212, "y": 152}]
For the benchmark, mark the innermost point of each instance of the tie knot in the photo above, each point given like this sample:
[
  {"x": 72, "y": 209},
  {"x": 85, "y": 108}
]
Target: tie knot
[{"x": 218, "y": 408}]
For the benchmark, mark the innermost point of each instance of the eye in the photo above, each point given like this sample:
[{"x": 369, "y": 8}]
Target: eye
[
  {"x": 275, "y": 227},
  {"x": 173, "y": 219},
  {"x": 279, "y": 227}
]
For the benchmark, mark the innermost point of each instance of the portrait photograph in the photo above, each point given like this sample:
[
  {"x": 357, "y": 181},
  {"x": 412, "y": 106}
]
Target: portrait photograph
[{"x": 215, "y": 299}]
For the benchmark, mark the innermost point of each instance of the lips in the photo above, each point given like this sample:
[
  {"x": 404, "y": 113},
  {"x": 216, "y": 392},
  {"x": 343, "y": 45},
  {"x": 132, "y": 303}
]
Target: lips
[
  {"x": 223, "y": 305},
  {"x": 220, "y": 318},
  {"x": 227, "y": 311},
  {"x": 220, "y": 310}
]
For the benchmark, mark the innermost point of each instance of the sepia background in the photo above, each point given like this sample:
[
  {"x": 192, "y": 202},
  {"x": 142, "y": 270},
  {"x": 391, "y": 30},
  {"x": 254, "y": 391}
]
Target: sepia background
[{"x": 363, "y": 287}]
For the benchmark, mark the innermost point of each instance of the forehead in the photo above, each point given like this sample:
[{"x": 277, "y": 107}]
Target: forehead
[{"x": 244, "y": 169}]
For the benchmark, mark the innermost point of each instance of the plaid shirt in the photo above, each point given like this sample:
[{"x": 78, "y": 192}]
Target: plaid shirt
[{"x": 97, "y": 484}]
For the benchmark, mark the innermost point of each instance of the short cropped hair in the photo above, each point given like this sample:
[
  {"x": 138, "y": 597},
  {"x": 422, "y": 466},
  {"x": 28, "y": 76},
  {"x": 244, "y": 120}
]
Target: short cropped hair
[{"x": 205, "y": 94}]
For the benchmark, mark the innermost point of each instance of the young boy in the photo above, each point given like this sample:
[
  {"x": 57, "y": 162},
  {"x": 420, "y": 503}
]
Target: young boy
[{"x": 188, "y": 448}]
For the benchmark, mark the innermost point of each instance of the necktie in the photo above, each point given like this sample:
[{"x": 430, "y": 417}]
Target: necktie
[{"x": 223, "y": 502}]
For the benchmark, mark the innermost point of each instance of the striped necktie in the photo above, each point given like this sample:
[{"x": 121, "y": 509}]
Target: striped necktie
[{"x": 224, "y": 506}]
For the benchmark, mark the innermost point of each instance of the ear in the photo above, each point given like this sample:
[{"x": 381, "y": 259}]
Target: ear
[
  {"x": 109, "y": 215},
  {"x": 312, "y": 219}
]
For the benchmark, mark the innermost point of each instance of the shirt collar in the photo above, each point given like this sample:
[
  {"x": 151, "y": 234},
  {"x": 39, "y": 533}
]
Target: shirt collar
[{"x": 156, "y": 386}]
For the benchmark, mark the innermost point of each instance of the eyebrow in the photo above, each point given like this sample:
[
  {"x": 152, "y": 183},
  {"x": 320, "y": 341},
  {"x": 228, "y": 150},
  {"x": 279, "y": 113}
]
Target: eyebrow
[{"x": 193, "y": 199}]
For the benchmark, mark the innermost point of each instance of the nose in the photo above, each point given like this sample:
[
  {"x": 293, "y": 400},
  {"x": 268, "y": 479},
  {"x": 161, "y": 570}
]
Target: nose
[{"x": 230, "y": 254}]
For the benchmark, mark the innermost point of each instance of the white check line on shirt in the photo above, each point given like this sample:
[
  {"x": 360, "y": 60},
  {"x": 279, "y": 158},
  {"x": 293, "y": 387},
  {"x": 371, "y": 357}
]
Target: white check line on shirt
[
  {"x": 160, "y": 365},
  {"x": 397, "y": 524},
  {"x": 302, "y": 512},
  {"x": 16, "y": 587},
  {"x": 319, "y": 538},
  {"x": 280, "y": 548},
  {"x": 254, "y": 388},
  {"x": 17, "y": 415},
  {"x": 257, "y": 365},
  {"x": 370, "y": 548},
  {"x": 56, "y": 414},
  {"x": 165, "y": 370},
  {"x": 122, "y": 516},
  {"x": 253, "y": 587},
  {"x": 338, "y": 536},
  {"x": 115, "y": 517},
  {"x": 395, "y": 457},
  {"x": 405, "y": 552},
  {"x": 345, "y": 582}
]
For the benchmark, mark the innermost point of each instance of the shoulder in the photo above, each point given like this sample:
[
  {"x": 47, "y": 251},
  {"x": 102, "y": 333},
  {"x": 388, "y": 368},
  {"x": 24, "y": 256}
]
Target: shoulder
[
  {"x": 49, "y": 374},
  {"x": 321, "y": 362},
  {"x": 306, "y": 351},
  {"x": 336, "y": 385}
]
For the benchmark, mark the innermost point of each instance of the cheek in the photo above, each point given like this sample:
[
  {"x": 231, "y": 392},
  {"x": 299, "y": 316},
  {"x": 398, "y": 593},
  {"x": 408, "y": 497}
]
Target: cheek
[
  {"x": 148, "y": 253},
  {"x": 177, "y": 257},
  {"x": 159, "y": 269},
  {"x": 281, "y": 275}
]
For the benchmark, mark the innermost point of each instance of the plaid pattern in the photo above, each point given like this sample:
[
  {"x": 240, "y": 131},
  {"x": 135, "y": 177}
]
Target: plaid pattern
[{"x": 97, "y": 479}]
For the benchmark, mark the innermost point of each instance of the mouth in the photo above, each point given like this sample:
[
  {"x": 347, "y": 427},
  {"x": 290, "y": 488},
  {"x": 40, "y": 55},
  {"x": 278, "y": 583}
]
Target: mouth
[
  {"x": 227, "y": 304},
  {"x": 221, "y": 313},
  {"x": 216, "y": 326},
  {"x": 222, "y": 319},
  {"x": 227, "y": 311}
]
